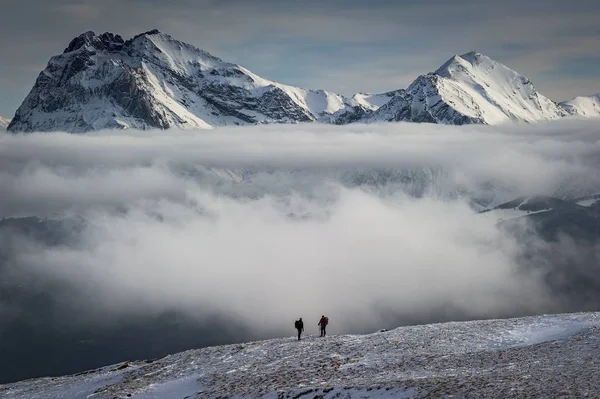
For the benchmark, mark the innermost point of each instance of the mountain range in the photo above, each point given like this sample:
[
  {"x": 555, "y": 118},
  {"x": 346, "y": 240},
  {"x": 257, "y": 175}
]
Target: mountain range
[{"x": 154, "y": 81}]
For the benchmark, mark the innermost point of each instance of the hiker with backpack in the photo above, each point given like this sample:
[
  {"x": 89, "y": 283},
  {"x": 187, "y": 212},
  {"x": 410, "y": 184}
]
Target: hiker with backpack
[
  {"x": 323, "y": 323},
  {"x": 299, "y": 326}
]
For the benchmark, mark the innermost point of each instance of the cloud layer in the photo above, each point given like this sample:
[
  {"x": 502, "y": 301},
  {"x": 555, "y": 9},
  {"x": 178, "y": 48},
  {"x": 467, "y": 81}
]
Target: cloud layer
[
  {"x": 266, "y": 224},
  {"x": 52, "y": 172}
]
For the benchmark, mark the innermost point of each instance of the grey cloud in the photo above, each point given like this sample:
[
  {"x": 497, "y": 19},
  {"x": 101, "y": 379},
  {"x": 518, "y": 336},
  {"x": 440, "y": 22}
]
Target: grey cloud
[
  {"x": 259, "y": 225},
  {"x": 256, "y": 265},
  {"x": 54, "y": 170}
]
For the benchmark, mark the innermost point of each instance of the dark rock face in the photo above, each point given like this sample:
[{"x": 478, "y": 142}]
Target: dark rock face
[
  {"x": 106, "y": 41},
  {"x": 353, "y": 114},
  {"x": 57, "y": 90},
  {"x": 277, "y": 105}
]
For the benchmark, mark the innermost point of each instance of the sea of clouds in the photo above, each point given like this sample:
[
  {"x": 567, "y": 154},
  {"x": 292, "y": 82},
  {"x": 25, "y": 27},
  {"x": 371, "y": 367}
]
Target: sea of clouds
[{"x": 267, "y": 224}]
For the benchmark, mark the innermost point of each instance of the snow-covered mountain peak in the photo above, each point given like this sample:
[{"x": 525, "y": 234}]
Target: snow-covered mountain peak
[
  {"x": 588, "y": 106},
  {"x": 476, "y": 66},
  {"x": 472, "y": 54},
  {"x": 155, "y": 81},
  {"x": 174, "y": 52},
  {"x": 469, "y": 88},
  {"x": 456, "y": 62},
  {"x": 467, "y": 63},
  {"x": 476, "y": 58},
  {"x": 497, "y": 92}
]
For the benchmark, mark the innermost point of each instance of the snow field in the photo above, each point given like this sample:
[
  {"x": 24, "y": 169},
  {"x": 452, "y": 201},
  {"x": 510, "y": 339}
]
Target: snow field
[{"x": 539, "y": 356}]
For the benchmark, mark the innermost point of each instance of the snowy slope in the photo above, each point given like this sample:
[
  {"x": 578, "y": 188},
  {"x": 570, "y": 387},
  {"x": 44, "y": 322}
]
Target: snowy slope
[
  {"x": 540, "y": 356},
  {"x": 360, "y": 108},
  {"x": 471, "y": 88},
  {"x": 374, "y": 101},
  {"x": 3, "y": 123},
  {"x": 583, "y": 106},
  {"x": 155, "y": 81}
]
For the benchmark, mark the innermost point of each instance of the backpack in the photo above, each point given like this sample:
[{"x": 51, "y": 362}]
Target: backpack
[
  {"x": 326, "y": 320},
  {"x": 297, "y": 324}
]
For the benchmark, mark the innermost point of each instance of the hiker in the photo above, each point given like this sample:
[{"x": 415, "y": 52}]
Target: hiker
[
  {"x": 323, "y": 323},
  {"x": 299, "y": 326}
]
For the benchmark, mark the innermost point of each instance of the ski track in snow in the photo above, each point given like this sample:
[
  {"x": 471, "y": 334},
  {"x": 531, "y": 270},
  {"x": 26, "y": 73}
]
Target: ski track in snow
[{"x": 541, "y": 356}]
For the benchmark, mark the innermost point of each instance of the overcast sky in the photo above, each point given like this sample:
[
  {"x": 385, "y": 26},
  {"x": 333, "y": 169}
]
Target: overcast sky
[{"x": 344, "y": 46}]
